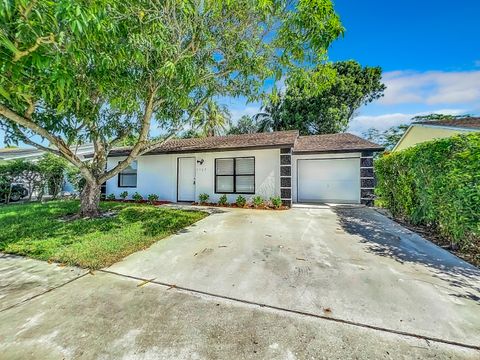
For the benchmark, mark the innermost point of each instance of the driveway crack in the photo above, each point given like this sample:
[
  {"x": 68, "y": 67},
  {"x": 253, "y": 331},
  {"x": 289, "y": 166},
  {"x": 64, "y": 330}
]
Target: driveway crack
[
  {"x": 43, "y": 293},
  {"x": 297, "y": 312}
]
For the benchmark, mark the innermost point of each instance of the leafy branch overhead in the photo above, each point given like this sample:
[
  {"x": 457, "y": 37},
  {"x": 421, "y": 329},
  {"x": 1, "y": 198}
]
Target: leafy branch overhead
[{"x": 101, "y": 70}]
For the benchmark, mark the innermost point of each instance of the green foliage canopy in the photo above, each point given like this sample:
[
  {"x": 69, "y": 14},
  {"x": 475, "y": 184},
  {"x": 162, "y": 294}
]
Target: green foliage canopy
[
  {"x": 322, "y": 101},
  {"x": 435, "y": 183},
  {"x": 387, "y": 138},
  {"x": 245, "y": 125}
]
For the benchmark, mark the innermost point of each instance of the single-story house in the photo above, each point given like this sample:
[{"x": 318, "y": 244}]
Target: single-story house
[
  {"x": 334, "y": 168},
  {"x": 422, "y": 131}
]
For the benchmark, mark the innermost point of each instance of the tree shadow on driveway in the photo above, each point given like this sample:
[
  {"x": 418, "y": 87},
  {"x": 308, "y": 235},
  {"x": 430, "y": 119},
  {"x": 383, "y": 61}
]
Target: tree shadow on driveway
[{"x": 384, "y": 237}]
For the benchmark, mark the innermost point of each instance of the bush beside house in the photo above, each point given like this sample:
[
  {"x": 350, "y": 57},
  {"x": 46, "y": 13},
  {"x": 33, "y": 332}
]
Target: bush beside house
[{"x": 437, "y": 184}]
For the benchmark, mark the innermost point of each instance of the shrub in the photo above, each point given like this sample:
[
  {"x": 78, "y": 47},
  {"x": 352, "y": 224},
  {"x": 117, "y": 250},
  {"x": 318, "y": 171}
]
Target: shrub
[
  {"x": 203, "y": 198},
  {"x": 137, "y": 197},
  {"x": 152, "y": 198},
  {"x": 276, "y": 201},
  {"x": 435, "y": 183},
  {"x": 111, "y": 197},
  {"x": 223, "y": 200},
  {"x": 123, "y": 195},
  {"x": 257, "y": 201},
  {"x": 240, "y": 201}
]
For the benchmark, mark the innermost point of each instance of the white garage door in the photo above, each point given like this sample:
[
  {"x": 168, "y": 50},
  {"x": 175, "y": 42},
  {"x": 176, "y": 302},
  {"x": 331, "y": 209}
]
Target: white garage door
[{"x": 328, "y": 180}]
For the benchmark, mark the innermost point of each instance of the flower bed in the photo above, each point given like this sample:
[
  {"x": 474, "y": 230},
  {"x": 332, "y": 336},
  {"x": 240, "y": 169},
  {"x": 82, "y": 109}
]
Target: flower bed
[
  {"x": 247, "y": 206},
  {"x": 257, "y": 202},
  {"x": 156, "y": 202}
]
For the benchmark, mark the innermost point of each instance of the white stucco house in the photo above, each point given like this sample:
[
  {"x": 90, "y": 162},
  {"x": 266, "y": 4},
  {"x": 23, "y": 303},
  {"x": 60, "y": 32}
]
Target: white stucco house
[{"x": 300, "y": 169}]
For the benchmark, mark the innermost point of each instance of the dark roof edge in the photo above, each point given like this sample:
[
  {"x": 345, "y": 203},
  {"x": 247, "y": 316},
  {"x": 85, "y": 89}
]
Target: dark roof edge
[
  {"x": 157, "y": 152},
  {"x": 306, "y": 152}
]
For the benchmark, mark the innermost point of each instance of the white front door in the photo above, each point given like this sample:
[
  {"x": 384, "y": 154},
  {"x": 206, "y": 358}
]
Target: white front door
[
  {"x": 186, "y": 179},
  {"x": 328, "y": 180}
]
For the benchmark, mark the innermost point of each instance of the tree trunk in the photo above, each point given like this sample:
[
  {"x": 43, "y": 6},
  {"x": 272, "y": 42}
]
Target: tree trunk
[{"x": 90, "y": 200}]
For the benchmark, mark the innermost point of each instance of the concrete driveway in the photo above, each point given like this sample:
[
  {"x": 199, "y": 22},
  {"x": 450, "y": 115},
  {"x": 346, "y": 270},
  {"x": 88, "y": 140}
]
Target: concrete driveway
[{"x": 305, "y": 283}]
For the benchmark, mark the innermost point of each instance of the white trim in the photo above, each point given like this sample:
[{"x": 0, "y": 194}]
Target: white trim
[
  {"x": 454, "y": 128},
  {"x": 401, "y": 139},
  {"x": 459, "y": 128}
]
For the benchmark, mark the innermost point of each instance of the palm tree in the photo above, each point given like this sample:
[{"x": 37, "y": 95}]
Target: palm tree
[
  {"x": 268, "y": 119},
  {"x": 213, "y": 119}
]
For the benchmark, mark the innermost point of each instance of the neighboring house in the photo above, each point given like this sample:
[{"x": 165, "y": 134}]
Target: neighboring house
[
  {"x": 422, "y": 131},
  {"x": 301, "y": 169},
  {"x": 33, "y": 154}
]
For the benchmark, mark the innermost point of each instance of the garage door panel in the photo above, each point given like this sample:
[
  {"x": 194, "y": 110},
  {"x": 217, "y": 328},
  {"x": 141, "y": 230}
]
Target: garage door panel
[{"x": 329, "y": 180}]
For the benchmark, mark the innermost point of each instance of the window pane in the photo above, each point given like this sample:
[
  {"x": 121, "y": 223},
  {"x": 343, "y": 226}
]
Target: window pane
[
  {"x": 130, "y": 169},
  {"x": 224, "y": 167},
  {"x": 245, "y": 166},
  {"x": 224, "y": 183},
  {"x": 245, "y": 184},
  {"x": 128, "y": 180}
]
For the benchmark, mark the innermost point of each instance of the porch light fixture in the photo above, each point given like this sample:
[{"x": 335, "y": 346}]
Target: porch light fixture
[{"x": 200, "y": 162}]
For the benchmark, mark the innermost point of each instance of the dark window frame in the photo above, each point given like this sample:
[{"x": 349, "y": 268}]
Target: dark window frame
[
  {"x": 235, "y": 175},
  {"x": 120, "y": 175}
]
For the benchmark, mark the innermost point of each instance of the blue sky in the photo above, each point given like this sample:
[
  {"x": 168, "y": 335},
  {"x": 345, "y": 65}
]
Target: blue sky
[{"x": 429, "y": 51}]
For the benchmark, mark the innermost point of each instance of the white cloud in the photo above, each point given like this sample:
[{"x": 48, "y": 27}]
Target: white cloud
[
  {"x": 362, "y": 123},
  {"x": 431, "y": 87},
  {"x": 237, "y": 113}
]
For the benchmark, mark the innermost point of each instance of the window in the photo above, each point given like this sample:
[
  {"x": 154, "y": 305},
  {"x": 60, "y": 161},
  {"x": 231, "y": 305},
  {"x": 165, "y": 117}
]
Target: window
[
  {"x": 235, "y": 175},
  {"x": 128, "y": 176}
]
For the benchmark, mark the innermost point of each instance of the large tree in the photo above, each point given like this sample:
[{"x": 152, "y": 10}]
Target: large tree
[
  {"x": 387, "y": 138},
  {"x": 77, "y": 71},
  {"x": 324, "y": 100},
  {"x": 245, "y": 125}
]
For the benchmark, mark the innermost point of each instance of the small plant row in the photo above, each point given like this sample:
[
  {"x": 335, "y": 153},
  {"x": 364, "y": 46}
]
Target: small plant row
[
  {"x": 123, "y": 196},
  {"x": 256, "y": 202}
]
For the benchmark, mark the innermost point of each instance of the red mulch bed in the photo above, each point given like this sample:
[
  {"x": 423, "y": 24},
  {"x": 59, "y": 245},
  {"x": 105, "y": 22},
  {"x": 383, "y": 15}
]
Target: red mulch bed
[
  {"x": 157, "y": 202},
  {"x": 248, "y": 206}
]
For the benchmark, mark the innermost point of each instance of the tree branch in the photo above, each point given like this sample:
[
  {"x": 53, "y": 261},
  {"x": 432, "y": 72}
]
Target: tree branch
[
  {"x": 63, "y": 149},
  {"x": 28, "y": 141},
  {"x": 137, "y": 148},
  {"x": 50, "y": 39}
]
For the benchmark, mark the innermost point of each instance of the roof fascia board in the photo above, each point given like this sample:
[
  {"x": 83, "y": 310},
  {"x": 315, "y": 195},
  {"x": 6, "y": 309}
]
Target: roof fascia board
[{"x": 460, "y": 128}]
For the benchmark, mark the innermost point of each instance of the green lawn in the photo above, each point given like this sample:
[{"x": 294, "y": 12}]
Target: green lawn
[{"x": 36, "y": 230}]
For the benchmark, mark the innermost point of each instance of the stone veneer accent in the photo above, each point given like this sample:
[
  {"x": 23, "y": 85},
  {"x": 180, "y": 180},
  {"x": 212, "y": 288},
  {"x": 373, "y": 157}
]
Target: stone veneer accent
[
  {"x": 286, "y": 176},
  {"x": 367, "y": 178}
]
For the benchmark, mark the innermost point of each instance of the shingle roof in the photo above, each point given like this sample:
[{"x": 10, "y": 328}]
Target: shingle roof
[
  {"x": 343, "y": 142},
  {"x": 300, "y": 144},
  {"x": 467, "y": 123},
  {"x": 32, "y": 153},
  {"x": 230, "y": 142},
  {"x": 12, "y": 152}
]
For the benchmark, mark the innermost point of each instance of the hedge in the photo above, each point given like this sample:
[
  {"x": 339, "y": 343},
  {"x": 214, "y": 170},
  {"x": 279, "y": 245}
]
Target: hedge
[{"x": 436, "y": 183}]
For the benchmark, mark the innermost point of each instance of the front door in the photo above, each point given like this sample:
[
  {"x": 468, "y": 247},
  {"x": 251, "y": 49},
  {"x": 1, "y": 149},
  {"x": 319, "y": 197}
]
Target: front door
[{"x": 186, "y": 179}]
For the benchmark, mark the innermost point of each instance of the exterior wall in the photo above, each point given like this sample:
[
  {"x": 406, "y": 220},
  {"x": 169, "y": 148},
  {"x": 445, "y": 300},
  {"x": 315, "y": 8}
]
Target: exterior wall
[
  {"x": 420, "y": 133},
  {"x": 157, "y": 174},
  {"x": 295, "y": 158}
]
